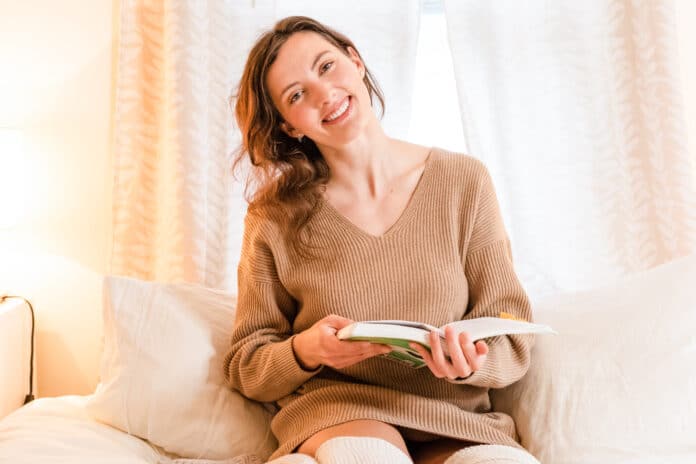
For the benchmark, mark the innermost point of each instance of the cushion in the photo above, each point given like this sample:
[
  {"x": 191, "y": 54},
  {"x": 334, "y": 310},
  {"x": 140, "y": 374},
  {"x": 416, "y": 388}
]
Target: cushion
[
  {"x": 162, "y": 376},
  {"x": 618, "y": 382}
]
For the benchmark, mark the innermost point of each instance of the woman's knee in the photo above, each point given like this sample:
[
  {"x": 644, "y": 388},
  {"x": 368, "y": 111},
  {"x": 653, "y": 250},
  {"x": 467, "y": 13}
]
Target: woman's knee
[{"x": 356, "y": 428}]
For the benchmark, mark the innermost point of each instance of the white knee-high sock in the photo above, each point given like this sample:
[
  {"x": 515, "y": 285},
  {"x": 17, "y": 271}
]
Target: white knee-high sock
[
  {"x": 360, "y": 450},
  {"x": 491, "y": 454},
  {"x": 295, "y": 458}
]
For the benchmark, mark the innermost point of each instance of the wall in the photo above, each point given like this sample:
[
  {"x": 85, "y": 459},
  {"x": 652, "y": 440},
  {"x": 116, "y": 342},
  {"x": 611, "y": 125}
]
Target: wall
[{"x": 56, "y": 87}]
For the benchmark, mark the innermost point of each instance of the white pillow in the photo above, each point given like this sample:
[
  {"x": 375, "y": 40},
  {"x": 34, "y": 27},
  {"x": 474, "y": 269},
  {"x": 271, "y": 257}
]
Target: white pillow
[
  {"x": 618, "y": 382},
  {"x": 162, "y": 372}
]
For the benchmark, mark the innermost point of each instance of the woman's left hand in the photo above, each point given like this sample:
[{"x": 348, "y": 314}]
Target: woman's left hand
[{"x": 466, "y": 357}]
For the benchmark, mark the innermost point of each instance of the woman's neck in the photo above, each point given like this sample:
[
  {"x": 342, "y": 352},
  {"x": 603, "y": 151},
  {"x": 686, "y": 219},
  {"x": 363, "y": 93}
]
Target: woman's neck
[{"x": 367, "y": 165}]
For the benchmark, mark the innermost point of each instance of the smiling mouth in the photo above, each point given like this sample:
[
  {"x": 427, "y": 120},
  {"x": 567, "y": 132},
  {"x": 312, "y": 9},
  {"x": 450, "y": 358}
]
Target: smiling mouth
[{"x": 340, "y": 113}]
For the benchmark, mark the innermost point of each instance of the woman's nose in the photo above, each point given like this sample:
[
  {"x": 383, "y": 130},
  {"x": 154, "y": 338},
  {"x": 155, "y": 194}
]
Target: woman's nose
[{"x": 323, "y": 93}]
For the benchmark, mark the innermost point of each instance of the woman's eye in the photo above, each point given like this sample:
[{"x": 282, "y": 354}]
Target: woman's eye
[
  {"x": 326, "y": 66},
  {"x": 295, "y": 96}
]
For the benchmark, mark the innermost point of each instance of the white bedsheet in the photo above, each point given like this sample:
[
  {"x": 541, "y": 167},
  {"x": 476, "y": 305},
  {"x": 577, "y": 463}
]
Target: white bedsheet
[{"x": 59, "y": 431}]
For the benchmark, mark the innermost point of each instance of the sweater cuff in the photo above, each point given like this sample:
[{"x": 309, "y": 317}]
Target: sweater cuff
[{"x": 294, "y": 370}]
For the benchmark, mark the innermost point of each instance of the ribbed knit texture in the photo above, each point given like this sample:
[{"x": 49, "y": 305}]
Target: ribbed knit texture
[
  {"x": 488, "y": 454},
  {"x": 446, "y": 258},
  {"x": 360, "y": 450}
]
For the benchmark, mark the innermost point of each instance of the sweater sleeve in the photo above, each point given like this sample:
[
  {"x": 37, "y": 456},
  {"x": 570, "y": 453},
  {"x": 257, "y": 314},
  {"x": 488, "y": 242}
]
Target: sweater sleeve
[
  {"x": 493, "y": 288},
  {"x": 261, "y": 363}
]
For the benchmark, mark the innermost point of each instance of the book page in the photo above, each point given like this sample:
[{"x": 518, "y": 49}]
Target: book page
[
  {"x": 418, "y": 325},
  {"x": 484, "y": 327}
]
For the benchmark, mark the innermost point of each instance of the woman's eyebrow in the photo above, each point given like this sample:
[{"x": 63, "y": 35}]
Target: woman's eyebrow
[
  {"x": 316, "y": 60},
  {"x": 314, "y": 65}
]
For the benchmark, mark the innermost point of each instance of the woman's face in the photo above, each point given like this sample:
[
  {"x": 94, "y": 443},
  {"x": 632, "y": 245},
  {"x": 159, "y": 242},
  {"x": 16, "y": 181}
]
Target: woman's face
[{"x": 319, "y": 90}]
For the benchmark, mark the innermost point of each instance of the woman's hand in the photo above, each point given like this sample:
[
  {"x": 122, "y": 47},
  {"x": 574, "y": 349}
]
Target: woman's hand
[
  {"x": 319, "y": 345},
  {"x": 465, "y": 356}
]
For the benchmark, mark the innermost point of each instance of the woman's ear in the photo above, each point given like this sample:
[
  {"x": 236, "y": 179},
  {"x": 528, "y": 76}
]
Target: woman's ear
[
  {"x": 355, "y": 58},
  {"x": 288, "y": 129}
]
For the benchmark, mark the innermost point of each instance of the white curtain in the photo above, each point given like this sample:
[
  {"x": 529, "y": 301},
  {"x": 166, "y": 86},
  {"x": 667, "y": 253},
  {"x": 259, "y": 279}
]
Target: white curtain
[
  {"x": 178, "y": 213},
  {"x": 574, "y": 106}
]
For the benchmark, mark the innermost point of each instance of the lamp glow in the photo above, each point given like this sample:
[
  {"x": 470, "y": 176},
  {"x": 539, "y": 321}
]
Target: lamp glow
[{"x": 13, "y": 177}]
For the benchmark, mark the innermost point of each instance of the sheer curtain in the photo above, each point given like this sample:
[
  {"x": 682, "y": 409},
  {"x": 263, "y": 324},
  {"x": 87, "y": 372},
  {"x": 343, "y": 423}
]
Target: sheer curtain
[
  {"x": 574, "y": 107},
  {"x": 178, "y": 213}
]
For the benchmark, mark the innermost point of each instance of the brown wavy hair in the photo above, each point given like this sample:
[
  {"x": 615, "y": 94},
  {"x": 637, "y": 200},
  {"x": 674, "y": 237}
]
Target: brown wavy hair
[{"x": 288, "y": 176}]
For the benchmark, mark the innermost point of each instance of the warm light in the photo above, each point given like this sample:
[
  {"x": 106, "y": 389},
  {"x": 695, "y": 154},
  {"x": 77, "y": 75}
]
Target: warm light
[{"x": 13, "y": 177}]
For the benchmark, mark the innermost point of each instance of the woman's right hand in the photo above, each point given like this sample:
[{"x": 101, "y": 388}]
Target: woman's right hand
[{"x": 319, "y": 345}]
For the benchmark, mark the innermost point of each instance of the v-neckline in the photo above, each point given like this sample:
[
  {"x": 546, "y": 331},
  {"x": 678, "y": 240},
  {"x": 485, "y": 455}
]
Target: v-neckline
[{"x": 402, "y": 220}]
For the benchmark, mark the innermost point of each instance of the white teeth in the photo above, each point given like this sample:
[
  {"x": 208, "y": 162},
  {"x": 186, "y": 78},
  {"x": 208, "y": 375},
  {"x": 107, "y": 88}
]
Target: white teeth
[{"x": 339, "y": 112}]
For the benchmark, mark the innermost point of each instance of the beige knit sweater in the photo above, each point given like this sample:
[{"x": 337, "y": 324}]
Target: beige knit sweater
[{"x": 446, "y": 258}]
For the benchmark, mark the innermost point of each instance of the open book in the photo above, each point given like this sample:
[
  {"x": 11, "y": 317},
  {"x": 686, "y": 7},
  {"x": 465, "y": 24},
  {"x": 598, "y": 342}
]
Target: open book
[{"x": 398, "y": 334}]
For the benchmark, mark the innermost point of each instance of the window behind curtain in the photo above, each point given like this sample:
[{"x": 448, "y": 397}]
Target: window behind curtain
[{"x": 435, "y": 117}]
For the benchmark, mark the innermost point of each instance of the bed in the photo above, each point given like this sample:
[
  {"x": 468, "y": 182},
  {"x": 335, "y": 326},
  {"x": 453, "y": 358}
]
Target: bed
[{"x": 617, "y": 384}]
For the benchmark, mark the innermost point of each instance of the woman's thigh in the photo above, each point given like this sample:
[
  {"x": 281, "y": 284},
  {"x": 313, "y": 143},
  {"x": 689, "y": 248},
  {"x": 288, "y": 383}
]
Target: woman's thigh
[
  {"x": 436, "y": 451},
  {"x": 356, "y": 428}
]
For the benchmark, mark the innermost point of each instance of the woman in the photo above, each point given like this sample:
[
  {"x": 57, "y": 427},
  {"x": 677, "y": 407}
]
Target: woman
[{"x": 348, "y": 224}]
